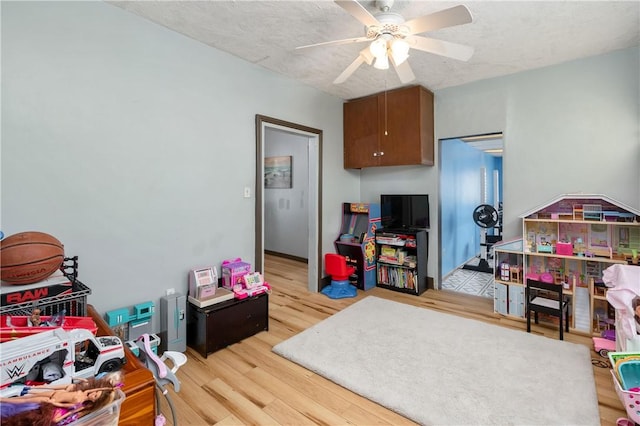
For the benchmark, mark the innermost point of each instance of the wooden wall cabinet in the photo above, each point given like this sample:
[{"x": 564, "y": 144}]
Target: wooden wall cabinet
[{"x": 392, "y": 128}]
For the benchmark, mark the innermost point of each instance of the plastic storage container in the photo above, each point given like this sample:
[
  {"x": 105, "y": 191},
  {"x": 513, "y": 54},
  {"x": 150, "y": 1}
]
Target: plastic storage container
[
  {"x": 630, "y": 400},
  {"x": 106, "y": 416}
]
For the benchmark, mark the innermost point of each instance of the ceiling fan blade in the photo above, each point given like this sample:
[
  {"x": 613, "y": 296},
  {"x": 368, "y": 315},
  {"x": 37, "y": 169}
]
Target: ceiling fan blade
[
  {"x": 367, "y": 55},
  {"x": 349, "y": 70},
  {"x": 404, "y": 71},
  {"x": 445, "y": 18},
  {"x": 364, "y": 56},
  {"x": 336, "y": 42},
  {"x": 356, "y": 10},
  {"x": 439, "y": 47}
]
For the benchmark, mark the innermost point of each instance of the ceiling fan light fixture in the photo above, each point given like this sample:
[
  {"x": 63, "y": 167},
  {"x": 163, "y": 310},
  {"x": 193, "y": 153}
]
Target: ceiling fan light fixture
[
  {"x": 390, "y": 37},
  {"x": 399, "y": 51},
  {"x": 378, "y": 48},
  {"x": 381, "y": 63}
]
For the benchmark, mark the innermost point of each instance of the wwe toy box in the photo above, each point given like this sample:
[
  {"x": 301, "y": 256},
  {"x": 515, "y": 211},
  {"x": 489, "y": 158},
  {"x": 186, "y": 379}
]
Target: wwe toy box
[{"x": 232, "y": 272}]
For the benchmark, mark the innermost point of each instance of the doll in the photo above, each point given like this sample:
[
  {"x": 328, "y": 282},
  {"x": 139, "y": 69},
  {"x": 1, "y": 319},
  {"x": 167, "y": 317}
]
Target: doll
[
  {"x": 34, "y": 320},
  {"x": 67, "y": 397},
  {"x": 53, "y": 405}
]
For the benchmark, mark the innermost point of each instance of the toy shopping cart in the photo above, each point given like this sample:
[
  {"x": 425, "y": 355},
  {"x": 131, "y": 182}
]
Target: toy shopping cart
[
  {"x": 626, "y": 378},
  {"x": 630, "y": 400}
]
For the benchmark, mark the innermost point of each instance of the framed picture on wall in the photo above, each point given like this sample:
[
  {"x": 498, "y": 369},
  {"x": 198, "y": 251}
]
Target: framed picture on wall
[{"x": 277, "y": 172}]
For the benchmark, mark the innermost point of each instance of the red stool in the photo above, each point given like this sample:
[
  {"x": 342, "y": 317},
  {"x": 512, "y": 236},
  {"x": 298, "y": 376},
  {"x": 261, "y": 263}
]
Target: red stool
[{"x": 336, "y": 266}]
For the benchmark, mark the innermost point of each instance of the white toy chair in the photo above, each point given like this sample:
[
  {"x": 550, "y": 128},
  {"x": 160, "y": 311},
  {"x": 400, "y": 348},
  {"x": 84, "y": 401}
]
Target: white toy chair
[
  {"x": 161, "y": 372},
  {"x": 178, "y": 359}
]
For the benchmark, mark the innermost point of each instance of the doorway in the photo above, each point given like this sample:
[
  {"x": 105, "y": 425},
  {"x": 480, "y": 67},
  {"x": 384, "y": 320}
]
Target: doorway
[
  {"x": 470, "y": 176},
  {"x": 313, "y": 139}
]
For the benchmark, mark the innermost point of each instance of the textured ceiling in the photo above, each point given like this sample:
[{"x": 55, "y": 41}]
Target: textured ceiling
[{"x": 508, "y": 37}]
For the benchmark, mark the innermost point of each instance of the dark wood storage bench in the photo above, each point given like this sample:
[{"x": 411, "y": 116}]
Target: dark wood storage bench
[{"x": 217, "y": 326}]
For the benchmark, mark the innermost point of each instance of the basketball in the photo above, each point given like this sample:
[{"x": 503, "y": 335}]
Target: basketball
[{"x": 29, "y": 257}]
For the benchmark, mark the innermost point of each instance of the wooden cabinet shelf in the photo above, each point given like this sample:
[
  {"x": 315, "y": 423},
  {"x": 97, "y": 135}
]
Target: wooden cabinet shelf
[
  {"x": 583, "y": 259},
  {"x": 392, "y": 128}
]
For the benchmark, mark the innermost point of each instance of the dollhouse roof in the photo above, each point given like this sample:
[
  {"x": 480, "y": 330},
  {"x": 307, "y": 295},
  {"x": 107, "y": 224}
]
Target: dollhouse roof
[{"x": 565, "y": 204}]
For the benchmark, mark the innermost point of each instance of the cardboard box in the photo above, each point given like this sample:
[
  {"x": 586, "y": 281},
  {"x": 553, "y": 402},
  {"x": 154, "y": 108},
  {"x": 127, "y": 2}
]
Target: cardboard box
[
  {"x": 232, "y": 272},
  {"x": 57, "y": 284}
]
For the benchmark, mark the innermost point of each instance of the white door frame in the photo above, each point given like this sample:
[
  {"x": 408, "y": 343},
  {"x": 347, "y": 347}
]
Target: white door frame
[{"x": 314, "y": 145}]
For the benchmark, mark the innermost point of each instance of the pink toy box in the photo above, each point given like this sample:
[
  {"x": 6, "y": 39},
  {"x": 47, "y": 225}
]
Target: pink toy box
[
  {"x": 233, "y": 271},
  {"x": 564, "y": 249}
]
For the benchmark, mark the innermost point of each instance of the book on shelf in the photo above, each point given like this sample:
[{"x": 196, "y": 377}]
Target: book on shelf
[
  {"x": 396, "y": 241},
  {"x": 392, "y": 255},
  {"x": 221, "y": 295},
  {"x": 396, "y": 277},
  {"x": 387, "y": 251}
]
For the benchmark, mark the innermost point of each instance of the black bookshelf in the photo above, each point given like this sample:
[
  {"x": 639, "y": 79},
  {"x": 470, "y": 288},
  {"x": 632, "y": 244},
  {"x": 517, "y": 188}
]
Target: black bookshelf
[{"x": 401, "y": 260}]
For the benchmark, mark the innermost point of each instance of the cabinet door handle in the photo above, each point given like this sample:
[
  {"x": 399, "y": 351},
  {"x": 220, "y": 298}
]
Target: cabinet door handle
[
  {"x": 381, "y": 153},
  {"x": 375, "y": 154}
]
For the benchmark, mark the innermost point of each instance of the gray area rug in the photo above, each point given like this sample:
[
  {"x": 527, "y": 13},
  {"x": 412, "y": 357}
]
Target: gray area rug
[{"x": 441, "y": 369}]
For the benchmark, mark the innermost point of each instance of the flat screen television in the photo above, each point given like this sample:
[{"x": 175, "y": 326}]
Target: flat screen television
[{"x": 404, "y": 211}]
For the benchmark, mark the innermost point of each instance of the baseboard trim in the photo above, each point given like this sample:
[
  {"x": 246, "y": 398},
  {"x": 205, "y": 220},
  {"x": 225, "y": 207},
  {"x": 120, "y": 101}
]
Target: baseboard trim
[{"x": 286, "y": 256}]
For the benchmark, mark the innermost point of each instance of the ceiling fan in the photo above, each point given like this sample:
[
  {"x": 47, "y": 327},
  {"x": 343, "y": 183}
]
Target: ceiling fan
[{"x": 391, "y": 37}]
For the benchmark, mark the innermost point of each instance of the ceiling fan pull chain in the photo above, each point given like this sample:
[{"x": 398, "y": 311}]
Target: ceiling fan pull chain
[{"x": 385, "y": 105}]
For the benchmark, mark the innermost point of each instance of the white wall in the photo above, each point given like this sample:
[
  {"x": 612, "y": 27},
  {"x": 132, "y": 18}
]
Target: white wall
[
  {"x": 132, "y": 144},
  {"x": 573, "y": 127},
  {"x": 286, "y": 211}
]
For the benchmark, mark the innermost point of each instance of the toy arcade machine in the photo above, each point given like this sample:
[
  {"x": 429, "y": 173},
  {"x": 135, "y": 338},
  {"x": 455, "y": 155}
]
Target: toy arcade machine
[{"x": 356, "y": 241}]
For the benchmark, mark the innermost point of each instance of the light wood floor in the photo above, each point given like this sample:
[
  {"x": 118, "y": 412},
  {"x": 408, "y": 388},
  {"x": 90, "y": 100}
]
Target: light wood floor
[{"x": 246, "y": 383}]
